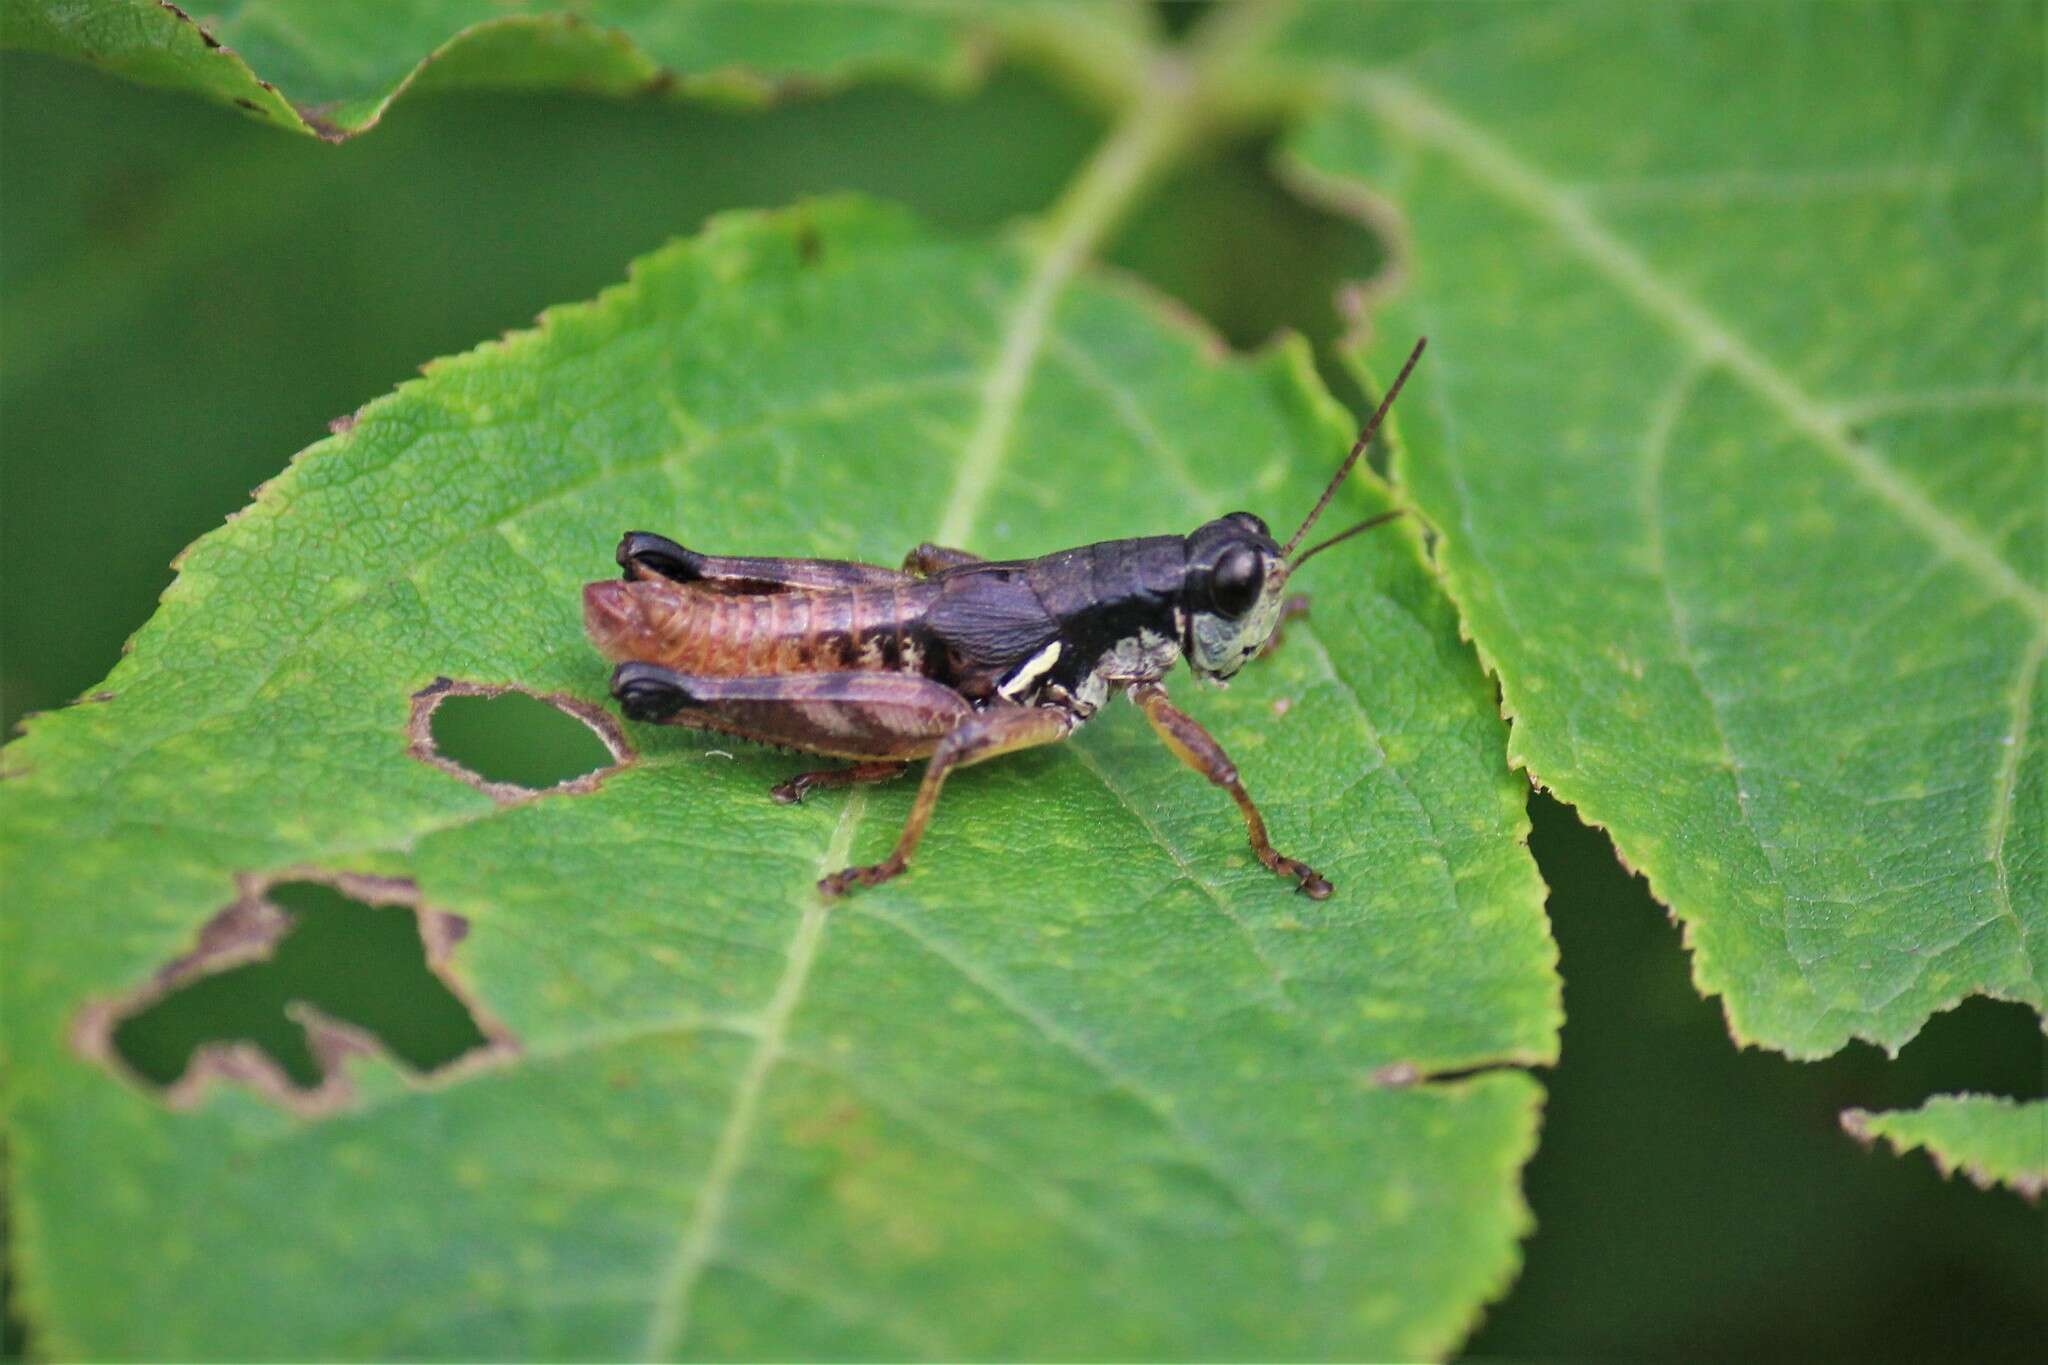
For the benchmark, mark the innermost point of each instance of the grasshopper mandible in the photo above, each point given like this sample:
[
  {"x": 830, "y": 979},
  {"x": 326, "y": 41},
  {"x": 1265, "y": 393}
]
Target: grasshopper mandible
[{"x": 953, "y": 658}]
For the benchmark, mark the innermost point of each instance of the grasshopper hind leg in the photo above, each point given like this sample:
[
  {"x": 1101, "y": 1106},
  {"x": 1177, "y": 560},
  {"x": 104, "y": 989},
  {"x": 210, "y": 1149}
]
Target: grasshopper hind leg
[
  {"x": 643, "y": 555},
  {"x": 879, "y": 720},
  {"x": 649, "y": 692},
  {"x": 868, "y": 717}
]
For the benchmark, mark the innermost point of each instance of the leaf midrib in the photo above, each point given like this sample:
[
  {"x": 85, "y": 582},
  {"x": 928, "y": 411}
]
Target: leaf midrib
[
  {"x": 1147, "y": 136},
  {"x": 669, "y": 1316}
]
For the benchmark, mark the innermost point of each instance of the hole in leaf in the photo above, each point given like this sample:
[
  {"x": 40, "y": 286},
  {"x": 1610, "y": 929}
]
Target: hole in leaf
[
  {"x": 513, "y": 745},
  {"x": 516, "y": 738},
  {"x": 1188, "y": 240},
  {"x": 1331, "y": 256},
  {"x": 1178, "y": 16},
  {"x": 288, "y": 981}
]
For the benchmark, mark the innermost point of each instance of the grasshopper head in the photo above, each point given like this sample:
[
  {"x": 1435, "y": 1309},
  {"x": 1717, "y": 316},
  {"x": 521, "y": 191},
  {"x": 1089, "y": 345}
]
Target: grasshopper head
[
  {"x": 1230, "y": 599},
  {"x": 1236, "y": 582}
]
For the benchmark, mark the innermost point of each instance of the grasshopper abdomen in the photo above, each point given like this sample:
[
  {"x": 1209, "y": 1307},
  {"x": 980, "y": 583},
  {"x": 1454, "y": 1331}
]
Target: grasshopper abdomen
[{"x": 696, "y": 630}]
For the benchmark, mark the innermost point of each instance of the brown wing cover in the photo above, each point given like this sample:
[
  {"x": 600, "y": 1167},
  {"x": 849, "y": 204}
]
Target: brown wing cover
[{"x": 718, "y": 634}]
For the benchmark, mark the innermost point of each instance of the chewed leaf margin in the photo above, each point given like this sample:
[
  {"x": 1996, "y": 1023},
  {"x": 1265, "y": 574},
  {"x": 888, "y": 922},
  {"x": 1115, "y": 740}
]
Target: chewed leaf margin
[
  {"x": 1359, "y": 164},
  {"x": 249, "y": 930},
  {"x": 1990, "y": 1139},
  {"x": 160, "y": 43}
]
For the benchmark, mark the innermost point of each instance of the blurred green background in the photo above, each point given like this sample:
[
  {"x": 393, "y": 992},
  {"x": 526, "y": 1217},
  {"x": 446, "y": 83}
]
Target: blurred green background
[{"x": 187, "y": 298}]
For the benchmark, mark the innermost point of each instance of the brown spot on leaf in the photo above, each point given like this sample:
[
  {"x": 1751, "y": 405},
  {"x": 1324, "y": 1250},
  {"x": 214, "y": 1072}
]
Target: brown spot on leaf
[
  {"x": 865, "y": 1176},
  {"x": 1397, "y": 1075},
  {"x": 316, "y": 118}
]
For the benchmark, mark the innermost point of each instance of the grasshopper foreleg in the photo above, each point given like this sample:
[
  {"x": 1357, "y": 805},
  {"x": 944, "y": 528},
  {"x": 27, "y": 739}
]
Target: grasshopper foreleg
[
  {"x": 1199, "y": 750},
  {"x": 982, "y": 735}
]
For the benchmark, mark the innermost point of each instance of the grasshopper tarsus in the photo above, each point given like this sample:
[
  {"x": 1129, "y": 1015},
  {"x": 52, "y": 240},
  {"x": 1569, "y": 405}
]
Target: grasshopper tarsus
[
  {"x": 1307, "y": 880},
  {"x": 952, "y": 658},
  {"x": 874, "y": 874}
]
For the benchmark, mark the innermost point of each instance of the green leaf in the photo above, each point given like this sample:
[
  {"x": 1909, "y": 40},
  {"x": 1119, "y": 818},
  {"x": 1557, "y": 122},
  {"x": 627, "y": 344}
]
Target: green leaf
[
  {"x": 1732, "y": 430},
  {"x": 332, "y": 69},
  {"x": 1086, "y": 1081},
  {"x": 1992, "y": 1140}
]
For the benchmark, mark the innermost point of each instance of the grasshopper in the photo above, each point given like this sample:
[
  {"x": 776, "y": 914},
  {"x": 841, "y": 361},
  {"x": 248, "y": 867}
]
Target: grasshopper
[{"x": 953, "y": 658}]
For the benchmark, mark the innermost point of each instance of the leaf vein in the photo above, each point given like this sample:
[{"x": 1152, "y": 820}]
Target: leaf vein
[
  {"x": 669, "y": 1318},
  {"x": 1086, "y": 1052},
  {"x": 1496, "y": 167},
  {"x": 2015, "y": 743},
  {"x": 1665, "y": 413}
]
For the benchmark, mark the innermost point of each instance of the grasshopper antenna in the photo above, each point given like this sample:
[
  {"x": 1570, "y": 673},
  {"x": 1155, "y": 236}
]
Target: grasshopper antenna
[
  {"x": 1357, "y": 449},
  {"x": 1342, "y": 536}
]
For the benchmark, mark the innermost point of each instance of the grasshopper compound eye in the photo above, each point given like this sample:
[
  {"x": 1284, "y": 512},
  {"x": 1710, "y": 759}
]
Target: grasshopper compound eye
[{"x": 1240, "y": 576}]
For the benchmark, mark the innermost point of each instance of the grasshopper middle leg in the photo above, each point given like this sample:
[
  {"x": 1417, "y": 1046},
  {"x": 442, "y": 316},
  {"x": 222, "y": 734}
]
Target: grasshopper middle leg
[{"x": 1199, "y": 750}]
